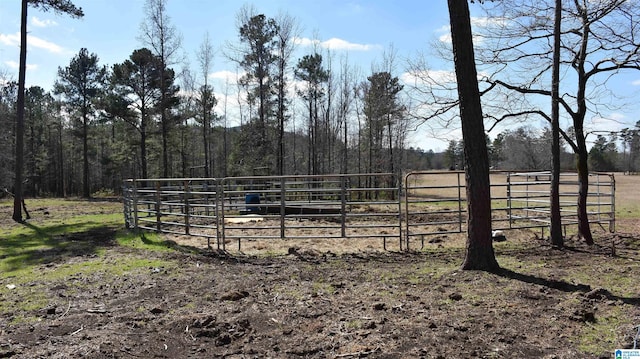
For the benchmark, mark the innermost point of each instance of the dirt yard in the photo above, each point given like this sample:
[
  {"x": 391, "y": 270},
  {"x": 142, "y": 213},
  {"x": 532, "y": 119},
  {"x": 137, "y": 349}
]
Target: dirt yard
[{"x": 90, "y": 297}]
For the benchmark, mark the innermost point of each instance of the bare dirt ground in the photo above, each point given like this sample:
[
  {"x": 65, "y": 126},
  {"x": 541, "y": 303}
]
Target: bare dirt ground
[{"x": 310, "y": 303}]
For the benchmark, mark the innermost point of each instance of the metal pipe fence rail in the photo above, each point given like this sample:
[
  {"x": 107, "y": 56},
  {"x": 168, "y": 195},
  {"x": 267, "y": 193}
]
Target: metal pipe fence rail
[
  {"x": 435, "y": 202},
  {"x": 376, "y": 205},
  {"x": 177, "y": 206},
  {"x": 263, "y": 207}
]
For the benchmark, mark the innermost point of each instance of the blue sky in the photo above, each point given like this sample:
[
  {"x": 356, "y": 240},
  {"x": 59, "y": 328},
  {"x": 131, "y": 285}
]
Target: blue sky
[
  {"x": 361, "y": 29},
  {"x": 111, "y": 29}
]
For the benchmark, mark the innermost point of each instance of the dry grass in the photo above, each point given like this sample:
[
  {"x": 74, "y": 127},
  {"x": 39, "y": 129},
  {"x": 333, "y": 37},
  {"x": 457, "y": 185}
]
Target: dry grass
[{"x": 627, "y": 196}]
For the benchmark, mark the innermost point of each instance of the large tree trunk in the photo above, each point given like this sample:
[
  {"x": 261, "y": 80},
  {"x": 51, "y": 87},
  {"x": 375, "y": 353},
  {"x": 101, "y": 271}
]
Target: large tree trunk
[
  {"x": 584, "y": 229},
  {"x": 582, "y": 154},
  {"x": 18, "y": 198},
  {"x": 480, "y": 254},
  {"x": 556, "y": 218}
]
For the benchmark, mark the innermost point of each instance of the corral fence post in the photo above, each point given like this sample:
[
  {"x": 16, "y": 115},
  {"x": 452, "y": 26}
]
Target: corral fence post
[
  {"x": 460, "y": 217},
  {"x": 406, "y": 208},
  {"x": 343, "y": 206},
  {"x": 221, "y": 202},
  {"x": 398, "y": 181},
  {"x": 187, "y": 210},
  {"x": 509, "y": 201},
  {"x": 135, "y": 204},
  {"x": 219, "y": 199},
  {"x": 283, "y": 209},
  {"x": 157, "y": 207},
  {"x": 612, "y": 221}
]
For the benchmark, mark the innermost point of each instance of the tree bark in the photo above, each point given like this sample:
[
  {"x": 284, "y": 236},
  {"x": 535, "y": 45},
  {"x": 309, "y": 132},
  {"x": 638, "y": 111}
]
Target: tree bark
[
  {"x": 582, "y": 154},
  {"x": 584, "y": 228},
  {"x": 18, "y": 198},
  {"x": 556, "y": 218},
  {"x": 479, "y": 248}
]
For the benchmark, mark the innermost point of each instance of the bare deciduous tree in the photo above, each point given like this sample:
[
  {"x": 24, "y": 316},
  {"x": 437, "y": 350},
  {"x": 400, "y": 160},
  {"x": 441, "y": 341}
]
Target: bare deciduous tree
[
  {"x": 165, "y": 41},
  {"x": 206, "y": 101},
  {"x": 287, "y": 30},
  {"x": 598, "y": 41}
]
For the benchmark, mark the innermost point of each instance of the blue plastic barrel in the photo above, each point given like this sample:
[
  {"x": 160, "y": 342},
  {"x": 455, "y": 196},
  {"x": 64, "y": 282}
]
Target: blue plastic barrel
[{"x": 252, "y": 198}]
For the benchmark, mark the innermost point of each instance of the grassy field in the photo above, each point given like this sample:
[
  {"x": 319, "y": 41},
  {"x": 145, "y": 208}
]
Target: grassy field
[{"x": 627, "y": 196}]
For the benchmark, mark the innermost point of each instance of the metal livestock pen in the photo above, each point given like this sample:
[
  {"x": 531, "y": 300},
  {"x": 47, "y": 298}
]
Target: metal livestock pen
[{"x": 373, "y": 205}]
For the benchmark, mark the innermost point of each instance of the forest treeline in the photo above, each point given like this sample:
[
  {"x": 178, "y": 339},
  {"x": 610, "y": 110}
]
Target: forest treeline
[
  {"x": 150, "y": 116},
  {"x": 54, "y": 148}
]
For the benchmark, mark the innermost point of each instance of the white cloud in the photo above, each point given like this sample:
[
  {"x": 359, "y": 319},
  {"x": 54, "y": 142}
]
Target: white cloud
[
  {"x": 335, "y": 43},
  {"x": 14, "y": 40},
  {"x": 486, "y": 21},
  {"x": 44, "y": 44},
  {"x": 339, "y": 44},
  {"x": 636, "y": 83},
  {"x": 15, "y": 65},
  {"x": 226, "y": 75},
  {"x": 11, "y": 39},
  {"x": 446, "y": 38},
  {"x": 305, "y": 41},
  {"x": 35, "y": 21},
  {"x": 613, "y": 122},
  {"x": 475, "y": 22},
  {"x": 429, "y": 77},
  {"x": 613, "y": 117}
]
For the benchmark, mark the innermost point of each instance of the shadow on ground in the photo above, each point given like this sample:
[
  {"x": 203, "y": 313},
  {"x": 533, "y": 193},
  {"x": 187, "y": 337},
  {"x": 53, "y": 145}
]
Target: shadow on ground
[{"x": 54, "y": 243}]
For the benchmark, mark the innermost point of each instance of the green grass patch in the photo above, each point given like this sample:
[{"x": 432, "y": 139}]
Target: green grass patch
[
  {"x": 606, "y": 333},
  {"x": 39, "y": 244},
  {"x": 66, "y": 235},
  {"x": 618, "y": 277}
]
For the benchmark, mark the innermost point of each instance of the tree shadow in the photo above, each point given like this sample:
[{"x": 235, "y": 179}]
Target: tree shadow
[
  {"x": 168, "y": 243},
  {"x": 565, "y": 286},
  {"x": 55, "y": 243}
]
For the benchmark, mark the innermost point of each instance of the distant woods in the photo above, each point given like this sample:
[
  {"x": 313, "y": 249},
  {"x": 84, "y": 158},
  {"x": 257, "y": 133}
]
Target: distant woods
[{"x": 152, "y": 115}]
